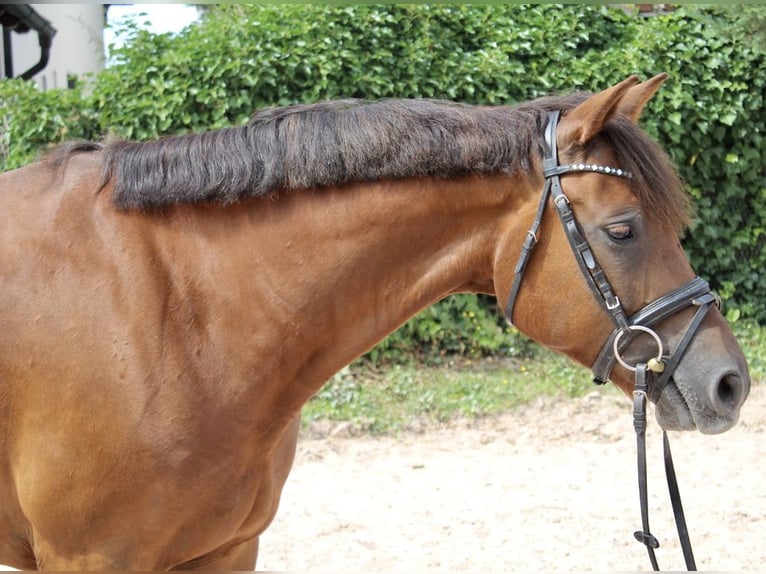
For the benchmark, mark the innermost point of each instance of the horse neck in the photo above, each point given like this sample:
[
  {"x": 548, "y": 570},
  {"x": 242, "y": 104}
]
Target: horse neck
[{"x": 330, "y": 272}]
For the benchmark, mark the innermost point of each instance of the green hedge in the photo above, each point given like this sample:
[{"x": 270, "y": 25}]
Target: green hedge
[
  {"x": 709, "y": 115},
  {"x": 716, "y": 132}
]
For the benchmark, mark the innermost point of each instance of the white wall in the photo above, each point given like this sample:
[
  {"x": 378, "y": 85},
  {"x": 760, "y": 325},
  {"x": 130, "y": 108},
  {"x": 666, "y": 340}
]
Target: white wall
[{"x": 78, "y": 46}]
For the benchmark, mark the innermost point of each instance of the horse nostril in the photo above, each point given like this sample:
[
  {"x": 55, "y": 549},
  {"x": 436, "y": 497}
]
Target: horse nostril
[{"x": 728, "y": 392}]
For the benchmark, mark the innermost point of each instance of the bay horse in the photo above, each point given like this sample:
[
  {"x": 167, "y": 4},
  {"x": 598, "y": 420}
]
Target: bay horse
[{"x": 166, "y": 308}]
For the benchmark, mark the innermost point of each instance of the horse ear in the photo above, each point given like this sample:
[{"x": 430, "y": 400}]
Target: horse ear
[
  {"x": 584, "y": 122},
  {"x": 633, "y": 102}
]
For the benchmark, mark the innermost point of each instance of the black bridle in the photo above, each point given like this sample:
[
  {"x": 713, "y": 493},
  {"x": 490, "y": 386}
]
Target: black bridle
[{"x": 651, "y": 375}]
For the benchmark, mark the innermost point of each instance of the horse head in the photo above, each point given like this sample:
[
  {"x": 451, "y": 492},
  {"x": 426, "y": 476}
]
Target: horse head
[{"x": 627, "y": 209}]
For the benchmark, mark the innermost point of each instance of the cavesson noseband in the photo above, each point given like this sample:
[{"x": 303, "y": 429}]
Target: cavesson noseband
[{"x": 651, "y": 375}]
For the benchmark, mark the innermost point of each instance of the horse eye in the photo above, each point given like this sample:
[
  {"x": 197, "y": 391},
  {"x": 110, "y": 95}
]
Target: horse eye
[{"x": 620, "y": 232}]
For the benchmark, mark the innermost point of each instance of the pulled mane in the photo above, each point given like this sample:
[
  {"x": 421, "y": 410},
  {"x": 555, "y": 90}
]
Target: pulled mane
[{"x": 332, "y": 143}]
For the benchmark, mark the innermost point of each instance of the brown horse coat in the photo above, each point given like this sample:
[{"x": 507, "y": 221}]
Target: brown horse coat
[{"x": 167, "y": 308}]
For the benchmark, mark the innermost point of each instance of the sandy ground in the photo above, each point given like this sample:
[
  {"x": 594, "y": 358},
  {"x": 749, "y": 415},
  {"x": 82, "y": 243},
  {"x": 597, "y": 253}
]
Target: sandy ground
[{"x": 551, "y": 486}]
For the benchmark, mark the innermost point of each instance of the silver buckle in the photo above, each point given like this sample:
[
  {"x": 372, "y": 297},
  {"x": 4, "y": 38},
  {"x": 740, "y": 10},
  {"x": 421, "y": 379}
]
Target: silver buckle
[{"x": 615, "y": 305}]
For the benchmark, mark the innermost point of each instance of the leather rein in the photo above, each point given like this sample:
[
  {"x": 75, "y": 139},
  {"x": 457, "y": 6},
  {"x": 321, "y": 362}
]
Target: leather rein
[{"x": 651, "y": 375}]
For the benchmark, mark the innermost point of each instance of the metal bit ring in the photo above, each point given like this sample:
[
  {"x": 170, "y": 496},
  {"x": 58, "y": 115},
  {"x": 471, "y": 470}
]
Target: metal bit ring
[{"x": 643, "y": 329}]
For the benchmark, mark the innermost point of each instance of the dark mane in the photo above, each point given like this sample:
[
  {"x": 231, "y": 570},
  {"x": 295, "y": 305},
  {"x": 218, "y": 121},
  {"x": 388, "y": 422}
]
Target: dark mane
[
  {"x": 333, "y": 143},
  {"x": 323, "y": 144}
]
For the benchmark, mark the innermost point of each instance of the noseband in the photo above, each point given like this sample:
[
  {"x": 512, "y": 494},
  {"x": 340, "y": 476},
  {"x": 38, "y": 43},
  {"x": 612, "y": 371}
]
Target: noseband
[{"x": 651, "y": 375}]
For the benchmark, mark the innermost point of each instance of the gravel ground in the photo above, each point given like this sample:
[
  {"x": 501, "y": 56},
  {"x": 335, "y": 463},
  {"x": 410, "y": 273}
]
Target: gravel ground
[{"x": 550, "y": 486}]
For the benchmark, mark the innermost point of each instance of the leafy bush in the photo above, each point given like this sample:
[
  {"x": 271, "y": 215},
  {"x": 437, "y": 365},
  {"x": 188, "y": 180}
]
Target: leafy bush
[
  {"x": 709, "y": 116},
  {"x": 32, "y": 121},
  {"x": 712, "y": 120}
]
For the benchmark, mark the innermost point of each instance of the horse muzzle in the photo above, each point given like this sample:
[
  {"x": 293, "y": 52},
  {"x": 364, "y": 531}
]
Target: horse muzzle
[{"x": 704, "y": 393}]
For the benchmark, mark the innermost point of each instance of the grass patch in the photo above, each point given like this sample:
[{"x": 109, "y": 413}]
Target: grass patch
[
  {"x": 752, "y": 338},
  {"x": 395, "y": 399},
  {"x": 406, "y": 396}
]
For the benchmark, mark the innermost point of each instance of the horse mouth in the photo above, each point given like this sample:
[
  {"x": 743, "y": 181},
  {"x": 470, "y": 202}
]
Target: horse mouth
[{"x": 682, "y": 408}]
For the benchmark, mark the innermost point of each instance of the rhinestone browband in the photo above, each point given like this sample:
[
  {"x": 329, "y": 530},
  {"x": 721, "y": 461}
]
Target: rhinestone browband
[{"x": 605, "y": 169}]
